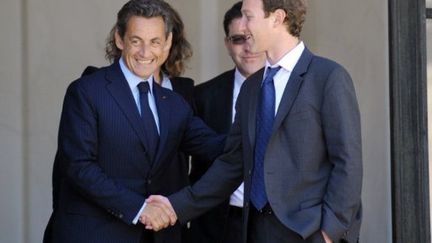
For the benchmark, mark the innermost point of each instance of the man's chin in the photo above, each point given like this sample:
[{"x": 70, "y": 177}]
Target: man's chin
[{"x": 143, "y": 76}]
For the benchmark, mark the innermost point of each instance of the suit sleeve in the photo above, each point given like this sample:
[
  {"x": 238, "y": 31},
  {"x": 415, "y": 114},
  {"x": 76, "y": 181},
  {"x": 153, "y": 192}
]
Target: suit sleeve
[
  {"x": 201, "y": 141},
  {"x": 78, "y": 139},
  {"x": 341, "y": 125},
  {"x": 217, "y": 184}
]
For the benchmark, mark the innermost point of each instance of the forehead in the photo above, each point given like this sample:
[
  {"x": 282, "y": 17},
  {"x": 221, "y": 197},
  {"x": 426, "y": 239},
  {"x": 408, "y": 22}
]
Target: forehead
[
  {"x": 138, "y": 25},
  {"x": 235, "y": 26}
]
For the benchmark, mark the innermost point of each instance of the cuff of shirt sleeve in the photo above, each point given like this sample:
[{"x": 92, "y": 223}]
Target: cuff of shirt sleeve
[{"x": 135, "y": 221}]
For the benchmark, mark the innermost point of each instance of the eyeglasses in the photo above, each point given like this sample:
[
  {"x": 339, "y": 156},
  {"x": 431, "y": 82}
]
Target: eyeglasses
[{"x": 238, "y": 39}]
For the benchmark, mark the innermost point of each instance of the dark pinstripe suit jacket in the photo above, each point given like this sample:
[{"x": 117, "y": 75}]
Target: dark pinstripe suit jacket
[{"x": 104, "y": 171}]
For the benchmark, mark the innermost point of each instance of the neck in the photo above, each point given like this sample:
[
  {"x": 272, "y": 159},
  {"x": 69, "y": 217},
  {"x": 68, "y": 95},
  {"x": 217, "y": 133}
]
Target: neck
[
  {"x": 157, "y": 77},
  {"x": 243, "y": 73},
  {"x": 284, "y": 44}
]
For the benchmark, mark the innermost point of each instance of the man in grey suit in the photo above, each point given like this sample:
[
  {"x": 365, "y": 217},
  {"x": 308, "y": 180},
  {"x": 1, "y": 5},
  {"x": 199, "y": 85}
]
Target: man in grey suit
[{"x": 295, "y": 141}]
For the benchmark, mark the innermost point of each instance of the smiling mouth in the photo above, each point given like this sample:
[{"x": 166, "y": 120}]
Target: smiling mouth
[
  {"x": 251, "y": 57},
  {"x": 145, "y": 61}
]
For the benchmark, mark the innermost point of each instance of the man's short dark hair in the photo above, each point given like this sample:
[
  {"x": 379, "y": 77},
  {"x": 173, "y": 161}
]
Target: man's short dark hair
[
  {"x": 233, "y": 13},
  {"x": 294, "y": 9}
]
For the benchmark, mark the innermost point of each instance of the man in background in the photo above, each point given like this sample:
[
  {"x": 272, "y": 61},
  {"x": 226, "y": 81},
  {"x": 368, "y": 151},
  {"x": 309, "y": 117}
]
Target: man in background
[{"x": 215, "y": 102}]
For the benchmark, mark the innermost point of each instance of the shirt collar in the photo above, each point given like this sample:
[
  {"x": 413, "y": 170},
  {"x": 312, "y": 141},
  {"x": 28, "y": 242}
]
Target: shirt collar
[
  {"x": 132, "y": 79},
  {"x": 166, "y": 82},
  {"x": 165, "y": 77},
  {"x": 290, "y": 59},
  {"x": 238, "y": 78}
]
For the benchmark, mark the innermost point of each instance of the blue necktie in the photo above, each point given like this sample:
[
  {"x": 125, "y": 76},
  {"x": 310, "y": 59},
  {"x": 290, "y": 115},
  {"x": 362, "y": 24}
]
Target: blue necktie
[
  {"x": 148, "y": 119},
  {"x": 264, "y": 124}
]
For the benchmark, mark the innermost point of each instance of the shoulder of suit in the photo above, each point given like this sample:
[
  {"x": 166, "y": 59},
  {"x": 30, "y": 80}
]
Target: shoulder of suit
[
  {"x": 312, "y": 60},
  {"x": 94, "y": 79},
  {"x": 183, "y": 86},
  {"x": 183, "y": 80},
  {"x": 324, "y": 65},
  {"x": 221, "y": 79},
  {"x": 89, "y": 70}
]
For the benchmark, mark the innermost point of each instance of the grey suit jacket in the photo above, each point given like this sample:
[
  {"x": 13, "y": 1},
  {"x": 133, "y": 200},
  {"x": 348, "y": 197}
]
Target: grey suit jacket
[{"x": 313, "y": 163}]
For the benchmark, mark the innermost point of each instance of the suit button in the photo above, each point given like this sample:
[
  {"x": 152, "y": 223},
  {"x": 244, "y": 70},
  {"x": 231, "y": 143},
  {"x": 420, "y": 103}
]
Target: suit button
[
  {"x": 250, "y": 172},
  {"x": 247, "y": 205},
  {"x": 149, "y": 181},
  {"x": 120, "y": 216}
]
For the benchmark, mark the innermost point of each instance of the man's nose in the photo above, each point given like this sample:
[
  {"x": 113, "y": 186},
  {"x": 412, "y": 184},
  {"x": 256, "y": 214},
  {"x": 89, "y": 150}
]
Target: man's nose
[{"x": 144, "y": 49}]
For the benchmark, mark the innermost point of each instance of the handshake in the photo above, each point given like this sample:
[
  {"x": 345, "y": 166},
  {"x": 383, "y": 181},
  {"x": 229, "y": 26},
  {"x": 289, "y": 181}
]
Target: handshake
[{"x": 158, "y": 213}]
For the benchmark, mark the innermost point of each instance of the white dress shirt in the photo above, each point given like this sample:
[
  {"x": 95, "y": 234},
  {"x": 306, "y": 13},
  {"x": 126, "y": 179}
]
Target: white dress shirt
[
  {"x": 287, "y": 64},
  {"x": 236, "y": 198}
]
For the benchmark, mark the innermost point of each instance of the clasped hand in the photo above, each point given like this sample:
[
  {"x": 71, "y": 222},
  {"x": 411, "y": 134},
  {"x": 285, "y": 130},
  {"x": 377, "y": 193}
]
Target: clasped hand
[{"x": 158, "y": 213}]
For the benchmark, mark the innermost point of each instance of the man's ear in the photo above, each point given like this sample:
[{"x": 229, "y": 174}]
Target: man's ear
[
  {"x": 168, "y": 42},
  {"x": 279, "y": 16},
  {"x": 118, "y": 40}
]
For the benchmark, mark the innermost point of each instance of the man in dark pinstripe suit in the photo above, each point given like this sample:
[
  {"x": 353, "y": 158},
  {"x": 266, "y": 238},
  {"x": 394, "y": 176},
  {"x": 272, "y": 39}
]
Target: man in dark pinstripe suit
[{"x": 108, "y": 159}]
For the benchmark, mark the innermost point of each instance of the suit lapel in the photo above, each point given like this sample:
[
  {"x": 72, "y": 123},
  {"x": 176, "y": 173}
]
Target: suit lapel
[
  {"x": 163, "y": 108},
  {"x": 255, "y": 82},
  {"x": 226, "y": 101},
  {"x": 292, "y": 88},
  {"x": 120, "y": 90}
]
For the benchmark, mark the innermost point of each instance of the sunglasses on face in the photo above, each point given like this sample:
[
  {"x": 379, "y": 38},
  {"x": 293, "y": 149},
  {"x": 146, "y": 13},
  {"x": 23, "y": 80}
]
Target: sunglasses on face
[{"x": 238, "y": 39}]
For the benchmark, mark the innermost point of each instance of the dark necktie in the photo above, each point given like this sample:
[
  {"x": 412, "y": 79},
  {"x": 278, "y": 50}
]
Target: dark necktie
[
  {"x": 148, "y": 119},
  {"x": 264, "y": 122}
]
